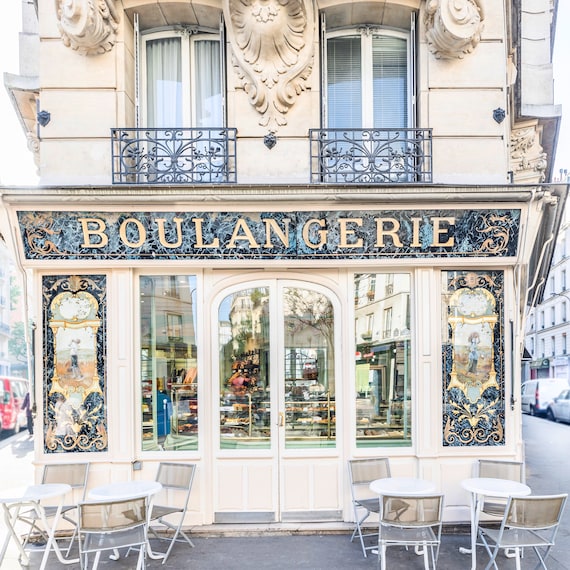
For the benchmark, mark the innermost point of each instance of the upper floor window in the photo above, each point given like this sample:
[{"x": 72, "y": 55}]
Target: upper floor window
[
  {"x": 367, "y": 79},
  {"x": 183, "y": 79}
]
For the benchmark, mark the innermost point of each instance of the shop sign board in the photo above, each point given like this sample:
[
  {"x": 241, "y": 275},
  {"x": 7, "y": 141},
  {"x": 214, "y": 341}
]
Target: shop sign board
[{"x": 349, "y": 234}]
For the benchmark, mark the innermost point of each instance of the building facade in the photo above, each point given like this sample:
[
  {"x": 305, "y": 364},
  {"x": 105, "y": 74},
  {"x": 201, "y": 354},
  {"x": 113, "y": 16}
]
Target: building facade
[{"x": 270, "y": 237}]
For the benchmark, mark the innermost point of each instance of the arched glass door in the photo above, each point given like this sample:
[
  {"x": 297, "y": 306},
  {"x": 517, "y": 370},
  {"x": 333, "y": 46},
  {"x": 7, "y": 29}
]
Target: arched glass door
[{"x": 276, "y": 368}]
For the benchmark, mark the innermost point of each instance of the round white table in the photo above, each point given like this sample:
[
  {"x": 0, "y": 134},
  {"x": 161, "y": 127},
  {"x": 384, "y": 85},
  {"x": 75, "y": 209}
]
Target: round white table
[
  {"x": 404, "y": 486},
  {"x": 481, "y": 487},
  {"x": 124, "y": 490},
  {"x": 32, "y": 496}
]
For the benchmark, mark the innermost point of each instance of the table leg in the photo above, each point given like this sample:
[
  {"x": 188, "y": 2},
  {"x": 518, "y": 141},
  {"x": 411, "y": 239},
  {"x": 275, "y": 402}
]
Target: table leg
[
  {"x": 52, "y": 542},
  {"x": 475, "y": 509},
  {"x": 10, "y": 522}
]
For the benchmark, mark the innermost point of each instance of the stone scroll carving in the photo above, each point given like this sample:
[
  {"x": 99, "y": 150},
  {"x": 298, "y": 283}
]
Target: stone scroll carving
[
  {"x": 87, "y": 26},
  {"x": 272, "y": 52},
  {"x": 453, "y": 27},
  {"x": 528, "y": 160}
]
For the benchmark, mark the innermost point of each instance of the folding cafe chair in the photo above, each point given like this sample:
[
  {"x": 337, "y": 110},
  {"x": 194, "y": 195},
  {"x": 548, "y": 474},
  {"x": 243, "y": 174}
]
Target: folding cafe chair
[
  {"x": 109, "y": 525},
  {"x": 361, "y": 473},
  {"x": 528, "y": 522},
  {"x": 169, "y": 507},
  {"x": 75, "y": 475},
  {"x": 411, "y": 521}
]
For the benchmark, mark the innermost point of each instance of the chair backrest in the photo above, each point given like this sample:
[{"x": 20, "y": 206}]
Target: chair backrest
[
  {"x": 363, "y": 471},
  {"x": 498, "y": 469},
  {"x": 105, "y": 525},
  {"x": 535, "y": 511},
  {"x": 176, "y": 478},
  {"x": 176, "y": 475},
  {"x": 425, "y": 510},
  {"x": 107, "y": 516},
  {"x": 74, "y": 474}
]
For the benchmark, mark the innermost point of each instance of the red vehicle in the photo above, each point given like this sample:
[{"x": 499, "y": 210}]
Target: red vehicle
[{"x": 12, "y": 393}]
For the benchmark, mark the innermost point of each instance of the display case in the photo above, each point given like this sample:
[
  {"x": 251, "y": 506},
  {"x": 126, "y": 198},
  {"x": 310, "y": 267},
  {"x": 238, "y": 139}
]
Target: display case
[
  {"x": 184, "y": 409},
  {"x": 310, "y": 414}
]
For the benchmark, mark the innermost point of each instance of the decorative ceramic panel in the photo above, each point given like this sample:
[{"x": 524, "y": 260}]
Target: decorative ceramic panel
[
  {"x": 349, "y": 234},
  {"x": 74, "y": 339},
  {"x": 473, "y": 359}
]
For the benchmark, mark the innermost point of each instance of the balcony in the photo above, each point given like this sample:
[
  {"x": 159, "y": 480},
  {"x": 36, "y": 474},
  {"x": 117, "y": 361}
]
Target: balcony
[
  {"x": 174, "y": 156},
  {"x": 371, "y": 156}
]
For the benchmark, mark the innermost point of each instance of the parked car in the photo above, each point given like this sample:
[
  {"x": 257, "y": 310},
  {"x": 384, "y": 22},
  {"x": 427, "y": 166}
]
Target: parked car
[
  {"x": 12, "y": 393},
  {"x": 539, "y": 393},
  {"x": 559, "y": 409}
]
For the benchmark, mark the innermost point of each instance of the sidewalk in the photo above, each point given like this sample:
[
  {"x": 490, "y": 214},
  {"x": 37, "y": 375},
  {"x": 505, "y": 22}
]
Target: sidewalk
[{"x": 326, "y": 547}]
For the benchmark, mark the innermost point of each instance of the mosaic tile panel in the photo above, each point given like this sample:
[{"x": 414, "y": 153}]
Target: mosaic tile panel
[
  {"x": 350, "y": 234},
  {"x": 74, "y": 343},
  {"x": 473, "y": 358}
]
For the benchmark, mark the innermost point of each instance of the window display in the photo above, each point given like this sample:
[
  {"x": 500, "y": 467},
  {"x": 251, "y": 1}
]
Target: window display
[
  {"x": 383, "y": 372},
  {"x": 169, "y": 367}
]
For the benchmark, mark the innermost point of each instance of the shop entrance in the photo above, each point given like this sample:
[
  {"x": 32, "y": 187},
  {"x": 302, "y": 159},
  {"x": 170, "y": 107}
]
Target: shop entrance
[{"x": 276, "y": 403}]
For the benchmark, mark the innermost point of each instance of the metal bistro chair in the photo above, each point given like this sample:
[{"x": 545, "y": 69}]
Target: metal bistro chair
[
  {"x": 169, "y": 507},
  {"x": 498, "y": 469},
  {"x": 110, "y": 525},
  {"x": 75, "y": 475},
  {"x": 531, "y": 522},
  {"x": 361, "y": 473},
  {"x": 411, "y": 521}
]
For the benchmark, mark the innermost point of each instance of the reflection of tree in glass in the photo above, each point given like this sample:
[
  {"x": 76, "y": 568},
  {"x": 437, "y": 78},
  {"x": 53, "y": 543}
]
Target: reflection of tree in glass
[{"x": 310, "y": 309}]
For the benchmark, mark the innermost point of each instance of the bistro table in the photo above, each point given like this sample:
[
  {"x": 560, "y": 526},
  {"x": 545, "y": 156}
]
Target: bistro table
[
  {"x": 128, "y": 490},
  {"x": 481, "y": 487},
  {"x": 402, "y": 486},
  {"x": 12, "y": 500}
]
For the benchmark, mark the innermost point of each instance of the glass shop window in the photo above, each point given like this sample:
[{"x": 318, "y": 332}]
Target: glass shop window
[
  {"x": 183, "y": 80},
  {"x": 383, "y": 369},
  {"x": 168, "y": 362},
  {"x": 367, "y": 79}
]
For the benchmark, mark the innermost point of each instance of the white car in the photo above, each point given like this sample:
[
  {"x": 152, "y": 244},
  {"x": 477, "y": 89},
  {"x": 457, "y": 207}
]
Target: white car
[{"x": 559, "y": 409}]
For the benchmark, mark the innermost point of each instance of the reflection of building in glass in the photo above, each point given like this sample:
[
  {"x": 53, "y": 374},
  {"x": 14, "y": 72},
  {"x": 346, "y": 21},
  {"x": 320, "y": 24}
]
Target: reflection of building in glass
[{"x": 383, "y": 376}]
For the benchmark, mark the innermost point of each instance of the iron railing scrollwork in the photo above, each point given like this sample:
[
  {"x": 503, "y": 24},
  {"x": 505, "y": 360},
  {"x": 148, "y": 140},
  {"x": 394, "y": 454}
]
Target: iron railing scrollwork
[
  {"x": 173, "y": 155},
  {"x": 371, "y": 156}
]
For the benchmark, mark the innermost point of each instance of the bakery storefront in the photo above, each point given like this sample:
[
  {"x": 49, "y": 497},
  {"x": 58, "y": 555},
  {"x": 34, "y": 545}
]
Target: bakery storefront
[{"x": 271, "y": 340}]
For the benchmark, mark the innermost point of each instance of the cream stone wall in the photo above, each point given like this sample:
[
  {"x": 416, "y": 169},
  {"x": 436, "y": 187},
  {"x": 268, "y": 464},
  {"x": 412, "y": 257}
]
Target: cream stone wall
[{"x": 88, "y": 95}]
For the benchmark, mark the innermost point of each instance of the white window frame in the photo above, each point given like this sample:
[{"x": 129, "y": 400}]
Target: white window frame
[
  {"x": 366, "y": 34},
  {"x": 187, "y": 45}
]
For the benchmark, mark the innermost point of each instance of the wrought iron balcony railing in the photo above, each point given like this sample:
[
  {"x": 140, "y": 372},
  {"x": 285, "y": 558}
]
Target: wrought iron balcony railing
[
  {"x": 174, "y": 155},
  {"x": 371, "y": 156}
]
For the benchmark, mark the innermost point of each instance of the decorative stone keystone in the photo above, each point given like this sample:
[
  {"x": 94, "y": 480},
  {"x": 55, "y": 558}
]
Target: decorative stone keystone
[
  {"x": 88, "y": 26},
  {"x": 453, "y": 27},
  {"x": 272, "y": 52}
]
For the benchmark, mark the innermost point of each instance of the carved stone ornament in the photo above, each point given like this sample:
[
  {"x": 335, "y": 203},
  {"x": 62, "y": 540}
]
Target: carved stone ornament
[
  {"x": 453, "y": 27},
  {"x": 528, "y": 161},
  {"x": 88, "y": 26},
  {"x": 272, "y": 52}
]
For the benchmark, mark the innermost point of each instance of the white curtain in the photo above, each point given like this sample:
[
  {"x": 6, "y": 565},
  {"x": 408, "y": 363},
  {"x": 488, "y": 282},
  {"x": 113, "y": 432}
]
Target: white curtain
[
  {"x": 208, "y": 84},
  {"x": 164, "y": 83}
]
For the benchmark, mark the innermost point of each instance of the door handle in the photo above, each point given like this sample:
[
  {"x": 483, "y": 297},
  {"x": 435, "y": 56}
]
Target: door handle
[{"x": 281, "y": 419}]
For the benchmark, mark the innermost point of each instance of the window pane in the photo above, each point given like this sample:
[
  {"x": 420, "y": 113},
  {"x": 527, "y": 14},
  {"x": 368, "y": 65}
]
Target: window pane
[
  {"x": 169, "y": 366},
  {"x": 164, "y": 82},
  {"x": 390, "y": 82},
  {"x": 383, "y": 373},
  {"x": 344, "y": 78},
  {"x": 243, "y": 337},
  {"x": 208, "y": 84},
  {"x": 309, "y": 370}
]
